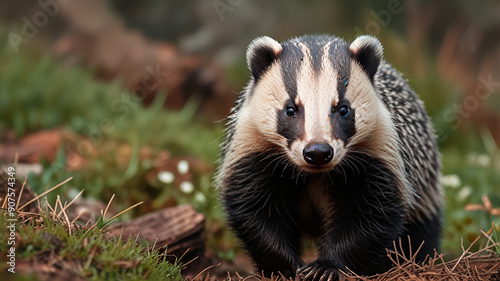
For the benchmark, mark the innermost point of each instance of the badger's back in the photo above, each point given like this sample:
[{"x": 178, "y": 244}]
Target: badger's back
[{"x": 416, "y": 136}]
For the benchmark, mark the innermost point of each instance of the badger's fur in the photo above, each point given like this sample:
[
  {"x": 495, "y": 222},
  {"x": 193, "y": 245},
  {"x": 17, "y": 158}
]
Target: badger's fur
[{"x": 329, "y": 141}]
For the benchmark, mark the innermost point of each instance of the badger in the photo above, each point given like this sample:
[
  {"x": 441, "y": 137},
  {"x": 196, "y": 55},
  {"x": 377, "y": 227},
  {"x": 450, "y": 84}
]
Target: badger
[{"x": 328, "y": 142}]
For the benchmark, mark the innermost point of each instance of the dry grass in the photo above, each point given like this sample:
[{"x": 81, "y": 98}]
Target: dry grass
[{"x": 478, "y": 266}]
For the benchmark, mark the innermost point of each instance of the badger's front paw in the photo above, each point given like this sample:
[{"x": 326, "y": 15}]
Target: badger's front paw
[{"x": 320, "y": 271}]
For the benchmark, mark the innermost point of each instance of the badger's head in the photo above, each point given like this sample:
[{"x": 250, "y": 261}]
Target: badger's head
[{"x": 313, "y": 98}]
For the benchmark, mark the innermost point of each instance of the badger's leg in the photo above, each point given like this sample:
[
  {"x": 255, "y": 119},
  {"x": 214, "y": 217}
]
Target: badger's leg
[
  {"x": 423, "y": 233},
  {"x": 366, "y": 219},
  {"x": 261, "y": 206}
]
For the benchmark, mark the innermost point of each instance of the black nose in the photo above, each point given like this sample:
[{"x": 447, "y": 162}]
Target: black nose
[{"x": 318, "y": 153}]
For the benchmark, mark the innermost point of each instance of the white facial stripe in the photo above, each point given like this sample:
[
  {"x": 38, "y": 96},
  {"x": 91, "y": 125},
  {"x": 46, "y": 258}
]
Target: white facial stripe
[
  {"x": 329, "y": 74},
  {"x": 304, "y": 81},
  {"x": 272, "y": 96},
  {"x": 256, "y": 124},
  {"x": 317, "y": 93},
  {"x": 338, "y": 151},
  {"x": 306, "y": 87}
]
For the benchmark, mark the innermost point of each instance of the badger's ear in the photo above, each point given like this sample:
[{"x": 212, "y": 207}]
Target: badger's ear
[
  {"x": 368, "y": 52},
  {"x": 261, "y": 53}
]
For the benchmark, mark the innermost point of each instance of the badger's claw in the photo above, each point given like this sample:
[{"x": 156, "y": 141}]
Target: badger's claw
[{"x": 318, "y": 270}]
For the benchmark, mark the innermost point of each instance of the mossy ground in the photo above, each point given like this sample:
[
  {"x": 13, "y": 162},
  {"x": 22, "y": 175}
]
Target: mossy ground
[{"x": 49, "y": 246}]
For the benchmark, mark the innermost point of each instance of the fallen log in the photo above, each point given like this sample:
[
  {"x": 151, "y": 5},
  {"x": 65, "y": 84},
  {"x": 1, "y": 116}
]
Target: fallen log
[{"x": 180, "y": 229}]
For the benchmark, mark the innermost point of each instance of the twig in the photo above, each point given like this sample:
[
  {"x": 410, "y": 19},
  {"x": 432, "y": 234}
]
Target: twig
[
  {"x": 203, "y": 271},
  {"x": 107, "y": 206},
  {"x": 36, "y": 198},
  {"x": 465, "y": 252},
  {"x": 21, "y": 192},
  {"x": 72, "y": 201},
  {"x": 124, "y": 211}
]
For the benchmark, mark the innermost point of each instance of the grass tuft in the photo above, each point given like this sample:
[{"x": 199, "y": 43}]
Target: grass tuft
[{"x": 48, "y": 239}]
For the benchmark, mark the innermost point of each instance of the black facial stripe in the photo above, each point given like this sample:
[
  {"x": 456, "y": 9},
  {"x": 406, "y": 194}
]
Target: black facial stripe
[
  {"x": 291, "y": 59},
  {"x": 344, "y": 127},
  {"x": 291, "y": 128},
  {"x": 340, "y": 57},
  {"x": 315, "y": 47},
  {"x": 340, "y": 86}
]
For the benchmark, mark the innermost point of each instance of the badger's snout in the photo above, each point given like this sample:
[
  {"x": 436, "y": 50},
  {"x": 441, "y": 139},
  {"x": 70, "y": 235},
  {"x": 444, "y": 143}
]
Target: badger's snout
[{"x": 318, "y": 153}]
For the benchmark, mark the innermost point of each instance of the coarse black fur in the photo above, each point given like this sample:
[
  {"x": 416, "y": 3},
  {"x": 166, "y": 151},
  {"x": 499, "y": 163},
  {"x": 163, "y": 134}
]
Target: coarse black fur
[{"x": 263, "y": 211}]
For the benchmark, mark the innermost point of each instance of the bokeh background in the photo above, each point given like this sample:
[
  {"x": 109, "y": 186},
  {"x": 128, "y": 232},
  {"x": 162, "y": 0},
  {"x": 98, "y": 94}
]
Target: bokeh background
[{"x": 129, "y": 97}]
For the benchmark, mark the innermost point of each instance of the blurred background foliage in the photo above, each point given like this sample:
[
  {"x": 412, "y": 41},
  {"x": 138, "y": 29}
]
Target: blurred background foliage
[{"x": 63, "y": 73}]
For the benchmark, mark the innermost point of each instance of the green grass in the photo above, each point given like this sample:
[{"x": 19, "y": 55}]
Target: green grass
[
  {"x": 108, "y": 127},
  {"x": 474, "y": 173},
  {"x": 40, "y": 93},
  {"x": 86, "y": 252}
]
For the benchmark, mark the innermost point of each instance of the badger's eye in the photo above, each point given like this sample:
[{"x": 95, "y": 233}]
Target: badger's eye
[
  {"x": 346, "y": 82},
  {"x": 344, "y": 111},
  {"x": 290, "y": 111}
]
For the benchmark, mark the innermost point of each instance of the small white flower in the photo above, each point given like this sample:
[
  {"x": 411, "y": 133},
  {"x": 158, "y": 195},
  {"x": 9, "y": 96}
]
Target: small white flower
[
  {"x": 200, "y": 198},
  {"x": 186, "y": 187},
  {"x": 183, "y": 167},
  {"x": 483, "y": 160},
  {"x": 166, "y": 177},
  {"x": 464, "y": 193},
  {"x": 452, "y": 181}
]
